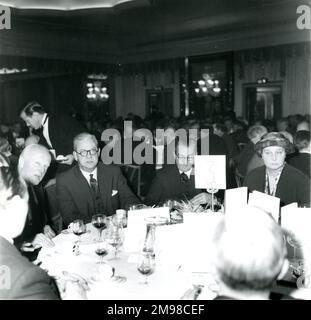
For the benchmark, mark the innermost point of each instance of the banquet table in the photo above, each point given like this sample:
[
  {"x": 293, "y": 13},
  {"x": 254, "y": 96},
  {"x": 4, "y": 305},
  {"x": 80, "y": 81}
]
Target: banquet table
[
  {"x": 168, "y": 282},
  {"x": 171, "y": 279}
]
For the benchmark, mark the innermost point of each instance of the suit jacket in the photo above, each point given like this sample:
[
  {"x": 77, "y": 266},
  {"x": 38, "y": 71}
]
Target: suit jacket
[
  {"x": 36, "y": 217},
  {"x": 62, "y": 129},
  {"x": 26, "y": 281},
  {"x": 302, "y": 162},
  {"x": 75, "y": 196},
  {"x": 293, "y": 185},
  {"x": 167, "y": 185}
]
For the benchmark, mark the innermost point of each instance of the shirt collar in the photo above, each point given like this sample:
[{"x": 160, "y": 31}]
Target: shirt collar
[
  {"x": 44, "y": 119},
  {"x": 188, "y": 173},
  {"x": 87, "y": 174}
]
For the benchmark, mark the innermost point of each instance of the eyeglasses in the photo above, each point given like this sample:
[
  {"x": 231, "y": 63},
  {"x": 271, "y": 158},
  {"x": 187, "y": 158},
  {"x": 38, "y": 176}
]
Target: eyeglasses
[
  {"x": 84, "y": 153},
  {"x": 185, "y": 158}
]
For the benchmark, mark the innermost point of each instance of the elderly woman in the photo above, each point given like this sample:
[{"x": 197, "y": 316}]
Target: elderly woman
[{"x": 277, "y": 178}]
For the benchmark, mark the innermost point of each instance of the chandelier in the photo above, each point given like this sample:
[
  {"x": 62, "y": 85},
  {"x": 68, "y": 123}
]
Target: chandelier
[
  {"x": 207, "y": 86},
  {"x": 97, "y": 92}
]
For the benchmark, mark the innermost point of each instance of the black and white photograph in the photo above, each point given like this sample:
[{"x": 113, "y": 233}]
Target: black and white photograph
[{"x": 155, "y": 152}]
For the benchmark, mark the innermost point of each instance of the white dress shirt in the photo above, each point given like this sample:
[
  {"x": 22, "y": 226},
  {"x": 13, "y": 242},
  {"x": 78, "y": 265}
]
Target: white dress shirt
[
  {"x": 87, "y": 174},
  {"x": 45, "y": 132},
  {"x": 188, "y": 173}
]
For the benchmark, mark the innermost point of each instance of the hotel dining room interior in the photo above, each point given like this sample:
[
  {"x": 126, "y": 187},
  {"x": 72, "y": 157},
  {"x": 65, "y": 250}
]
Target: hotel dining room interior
[{"x": 155, "y": 150}]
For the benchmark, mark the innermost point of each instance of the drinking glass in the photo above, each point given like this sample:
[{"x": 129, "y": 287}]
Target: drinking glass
[
  {"x": 146, "y": 266},
  {"x": 115, "y": 236},
  {"x": 78, "y": 228},
  {"x": 101, "y": 251},
  {"x": 99, "y": 222},
  {"x": 295, "y": 243}
]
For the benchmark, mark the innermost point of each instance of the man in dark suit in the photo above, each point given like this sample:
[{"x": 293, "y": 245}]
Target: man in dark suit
[
  {"x": 32, "y": 166},
  {"x": 56, "y": 132},
  {"x": 91, "y": 187},
  {"x": 176, "y": 181},
  {"x": 20, "y": 279}
]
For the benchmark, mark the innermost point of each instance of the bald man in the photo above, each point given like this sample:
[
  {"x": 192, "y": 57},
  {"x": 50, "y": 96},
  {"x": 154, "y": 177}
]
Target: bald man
[{"x": 32, "y": 166}]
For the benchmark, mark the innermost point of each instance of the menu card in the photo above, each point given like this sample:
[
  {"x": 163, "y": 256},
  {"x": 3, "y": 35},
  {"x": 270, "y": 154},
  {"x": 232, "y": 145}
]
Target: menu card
[
  {"x": 235, "y": 199},
  {"x": 199, "y": 230},
  {"x": 265, "y": 202},
  {"x": 210, "y": 172},
  {"x": 297, "y": 221}
]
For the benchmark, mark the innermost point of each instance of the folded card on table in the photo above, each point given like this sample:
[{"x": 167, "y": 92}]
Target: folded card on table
[
  {"x": 235, "y": 199},
  {"x": 136, "y": 226},
  {"x": 169, "y": 245},
  {"x": 199, "y": 230},
  {"x": 297, "y": 221},
  {"x": 210, "y": 172},
  {"x": 265, "y": 202}
]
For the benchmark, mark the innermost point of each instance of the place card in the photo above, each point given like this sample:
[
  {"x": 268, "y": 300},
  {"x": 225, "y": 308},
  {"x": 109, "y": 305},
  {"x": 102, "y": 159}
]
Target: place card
[
  {"x": 210, "y": 172},
  {"x": 199, "y": 231},
  {"x": 235, "y": 199},
  {"x": 266, "y": 203},
  {"x": 297, "y": 221}
]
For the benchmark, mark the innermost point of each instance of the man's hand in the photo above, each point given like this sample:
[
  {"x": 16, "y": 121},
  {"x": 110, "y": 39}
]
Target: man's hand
[
  {"x": 41, "y": 240},
  {"x": 48, "y": 232},
  {"x": 202, "y": 198},
  {"x": 68, "y": 159}
]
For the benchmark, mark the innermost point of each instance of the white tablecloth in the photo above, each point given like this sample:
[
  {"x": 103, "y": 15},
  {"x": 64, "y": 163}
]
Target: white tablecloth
[{"x": 168, "y": 282}]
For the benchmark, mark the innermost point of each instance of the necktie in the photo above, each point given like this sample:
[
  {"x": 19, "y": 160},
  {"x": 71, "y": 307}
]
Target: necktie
[
  {"x": 93, "y": 183},
  {"x": 184, "y": 178},
  {"x": 97, "y": 199}
]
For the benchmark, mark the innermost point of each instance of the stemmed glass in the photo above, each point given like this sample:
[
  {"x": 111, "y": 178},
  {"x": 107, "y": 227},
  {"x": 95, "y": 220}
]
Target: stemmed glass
[
  {"x": 295, "y": 243},
  {"x": 147, "y": 266},
  {"x": 78, "y": 228},
  {"x": 99, "y": 222},
  {"x": 115, "y": 236},
  {"x": 101, "y": 251}
]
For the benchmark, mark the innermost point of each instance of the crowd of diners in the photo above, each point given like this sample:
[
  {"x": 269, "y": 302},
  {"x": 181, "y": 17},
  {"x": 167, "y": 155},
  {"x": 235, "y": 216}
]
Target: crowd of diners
[{"x": 53, "y": 172}]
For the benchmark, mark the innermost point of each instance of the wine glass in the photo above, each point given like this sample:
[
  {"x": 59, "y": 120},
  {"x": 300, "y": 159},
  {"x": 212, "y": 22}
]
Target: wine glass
[
  {"x": 99, "y": 222},
  {"x": 78, "y": 228},
  {"x": 115, "y": 237},
  {"x": 295, "y": 243},
  {"x": 147, "y": 266},
  {"x": 101, "y": 251}
]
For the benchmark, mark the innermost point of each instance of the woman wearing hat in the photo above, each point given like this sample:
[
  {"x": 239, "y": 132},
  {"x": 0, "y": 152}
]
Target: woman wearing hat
[{"x": 276, "y": 177}]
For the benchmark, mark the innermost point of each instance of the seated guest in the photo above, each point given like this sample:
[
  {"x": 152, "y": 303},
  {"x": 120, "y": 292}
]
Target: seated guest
[
  {"x": 277, "y": 178},
  {"x": 32, "y": 139},
  {"x": 25, "y": 280},
  {"x": 254, "y": 134},
  {"x": 91, "y": 187},
  {"x": 250, "y": 255},
  {"x": 6, "y": 150},
  {"x": 221, "y": 131},
  {"x": 176, "y": 181},
  {"x": 302, "y": 160},
  {"x": 33, "y": 164}
]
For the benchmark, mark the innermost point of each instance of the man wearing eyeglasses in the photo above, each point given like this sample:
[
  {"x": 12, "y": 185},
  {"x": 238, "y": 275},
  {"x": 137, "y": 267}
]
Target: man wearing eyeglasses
[
  {"x": 91, "y": 187},
  {"x": 176, "y": 181}
]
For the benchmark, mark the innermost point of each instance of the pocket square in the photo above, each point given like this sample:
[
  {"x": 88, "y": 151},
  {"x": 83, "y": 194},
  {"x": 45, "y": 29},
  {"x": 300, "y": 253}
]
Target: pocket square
[{"x": 114, "y": 192}]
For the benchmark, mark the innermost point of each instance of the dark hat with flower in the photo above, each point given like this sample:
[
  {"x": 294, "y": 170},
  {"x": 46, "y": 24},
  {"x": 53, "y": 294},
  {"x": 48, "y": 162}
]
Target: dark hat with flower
[{"x": 274, "y": 139}]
